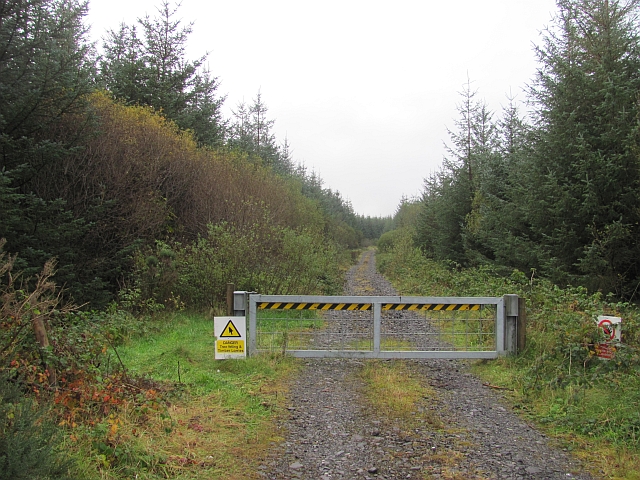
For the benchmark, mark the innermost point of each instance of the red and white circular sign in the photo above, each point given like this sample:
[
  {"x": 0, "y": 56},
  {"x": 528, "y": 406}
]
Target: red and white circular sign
[{"x": 608, "y": 328}]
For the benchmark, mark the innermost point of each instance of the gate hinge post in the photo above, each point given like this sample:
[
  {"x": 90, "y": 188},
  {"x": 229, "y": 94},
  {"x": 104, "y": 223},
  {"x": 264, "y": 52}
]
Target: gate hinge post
[
  {"x": 511, "y": 304},
  {"x": 252, "y": 323},
  {"x": 240, "y": 299}
]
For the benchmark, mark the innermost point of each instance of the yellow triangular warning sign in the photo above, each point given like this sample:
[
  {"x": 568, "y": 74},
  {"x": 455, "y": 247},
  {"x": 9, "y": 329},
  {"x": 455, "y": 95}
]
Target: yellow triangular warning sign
[{"x": 230, "y": 330}]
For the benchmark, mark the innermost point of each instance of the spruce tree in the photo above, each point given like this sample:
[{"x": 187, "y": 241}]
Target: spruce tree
[
  {"x": 451, "y": 195},
  {"x": 252, "y": 133},
  {"x": 583, "y": 200},
  {"x": 497, "y": 229},
  {"x": 46, "y": 71},
  {"x": 151, "y": 68}
]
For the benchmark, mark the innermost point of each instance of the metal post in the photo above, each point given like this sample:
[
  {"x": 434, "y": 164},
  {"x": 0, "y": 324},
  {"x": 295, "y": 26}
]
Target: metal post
[
  {"x": 239, "y": 303},
  {"x": 522, "y": 325},
  {"x": 253, "y": 330},
  {"x": 500, "y": 350},
  {"x": 377, "y": 318},
  {"x": 511, "y": 324},
  {"x": 230, "y": 288}
]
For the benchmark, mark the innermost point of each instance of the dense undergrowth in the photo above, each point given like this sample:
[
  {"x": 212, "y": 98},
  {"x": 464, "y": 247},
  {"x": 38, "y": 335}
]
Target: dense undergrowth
[
  {"x": 133, "y": 391},
  {"x": 265, "y": 257},
  {"x": 558, "y": 380}
]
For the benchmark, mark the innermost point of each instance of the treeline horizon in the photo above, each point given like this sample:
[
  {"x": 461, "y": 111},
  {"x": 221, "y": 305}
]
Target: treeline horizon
[
  {"x": 105, "y": 154},
  {"x": 555, "y": 193}
]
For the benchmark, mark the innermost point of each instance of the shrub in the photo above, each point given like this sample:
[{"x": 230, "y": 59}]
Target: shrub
[
  {"x": 262, "y": 257},
  {"x": 29, "y": 441}
]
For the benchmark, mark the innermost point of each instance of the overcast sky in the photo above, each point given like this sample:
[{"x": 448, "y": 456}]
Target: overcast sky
[{"x": 363, "y": 90}]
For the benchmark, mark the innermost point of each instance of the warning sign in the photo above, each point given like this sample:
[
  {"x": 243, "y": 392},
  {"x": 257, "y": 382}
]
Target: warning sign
[
  {"x": 230, "y": 330},
  {"x": 611, "y": 328},
  {"x": 230, "y": 346},
  {"x": 605, "y": 351},
  {"x": 230, "y": 333}
]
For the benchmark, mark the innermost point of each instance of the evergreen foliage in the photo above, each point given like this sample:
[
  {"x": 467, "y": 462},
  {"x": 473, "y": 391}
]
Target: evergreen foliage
[
  {"x": 152, "y": 70},
  {"x": 585, "y": 167},
  {"x": 451, "y": 194},
  {"x": 558, "y": 195},
  {"x": 29, "y": 441},
  {"x": 252, "y": 133},
  {"x": 46, "y": 69}
]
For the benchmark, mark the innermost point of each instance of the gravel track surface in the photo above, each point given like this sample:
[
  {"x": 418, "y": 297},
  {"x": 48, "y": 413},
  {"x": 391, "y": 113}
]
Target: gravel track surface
[{"x": 330, "y": 433}]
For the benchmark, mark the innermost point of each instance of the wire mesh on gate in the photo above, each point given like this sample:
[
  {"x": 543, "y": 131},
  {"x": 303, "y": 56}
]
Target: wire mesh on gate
[
  {"x": 439, "y": 330},
  {"x": 422, "y": 329},
  {"x": 282, "y": 330}
]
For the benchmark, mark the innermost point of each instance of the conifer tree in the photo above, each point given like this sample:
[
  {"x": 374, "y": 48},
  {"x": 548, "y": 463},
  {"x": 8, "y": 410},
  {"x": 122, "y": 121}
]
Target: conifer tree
[
  {"x": 496, "y": 229},
  {"x": 583, "y": 199},
  {"x": 252, "y": 132},
  {"x": 450, "y": 194},
  {"x": 152, "y": 69},
  {"x": 46, "y": 67}
]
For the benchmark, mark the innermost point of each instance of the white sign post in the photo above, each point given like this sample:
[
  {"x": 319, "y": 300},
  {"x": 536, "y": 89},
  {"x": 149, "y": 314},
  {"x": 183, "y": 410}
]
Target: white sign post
[{"x": 230, "y": 333}]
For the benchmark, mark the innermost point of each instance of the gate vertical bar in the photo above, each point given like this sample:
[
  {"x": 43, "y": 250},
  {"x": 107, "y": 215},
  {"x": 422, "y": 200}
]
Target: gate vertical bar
[
  {"x": 253, "y": 330},
  {"x": 522, "y": 325},
  {"x": 377, "y": 320},
  {"x": 500, "y": 324}
]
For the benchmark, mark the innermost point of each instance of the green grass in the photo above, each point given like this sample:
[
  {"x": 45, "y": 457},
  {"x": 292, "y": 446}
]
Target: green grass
[
  {"x": 214, "y": 419},
  {"x": 467, "y": 330},
  {"x": 599, "y": 423},
  {"x": 282, "y": 330},
  {"x": 394, "y": 391},
  {"x": 182, "y": 351}
]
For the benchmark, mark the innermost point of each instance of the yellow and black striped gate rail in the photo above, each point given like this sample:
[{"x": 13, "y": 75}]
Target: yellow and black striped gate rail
[
  {"x": 414, "y": 307},
  {"x": 445, "y": 307},
  {"x": 313, "y": 306}
]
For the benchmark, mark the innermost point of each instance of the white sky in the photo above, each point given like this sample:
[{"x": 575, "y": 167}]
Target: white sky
[{"x": 363, "y": 90}]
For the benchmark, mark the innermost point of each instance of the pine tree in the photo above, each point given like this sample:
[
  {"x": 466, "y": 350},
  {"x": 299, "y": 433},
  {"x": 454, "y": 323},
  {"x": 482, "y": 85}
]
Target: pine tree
[
  {"x": 584, "y": 201},
  {"x": 152, "y": 69},
  {"x": 452, "y": 194}
]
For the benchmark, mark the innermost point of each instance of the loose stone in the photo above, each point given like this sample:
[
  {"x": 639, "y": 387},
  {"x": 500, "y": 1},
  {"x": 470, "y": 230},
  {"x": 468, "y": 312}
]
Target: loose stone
[{"x": 330, "y": 434}]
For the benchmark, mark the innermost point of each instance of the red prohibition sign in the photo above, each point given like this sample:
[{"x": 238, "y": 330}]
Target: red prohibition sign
[{"x": 608, "y": 328}]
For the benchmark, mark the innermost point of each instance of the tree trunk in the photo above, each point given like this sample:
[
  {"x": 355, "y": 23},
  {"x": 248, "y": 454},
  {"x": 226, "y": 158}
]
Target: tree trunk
[{"x": 42, "y": 339}]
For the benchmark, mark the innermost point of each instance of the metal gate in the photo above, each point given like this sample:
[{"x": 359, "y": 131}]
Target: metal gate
[{"x": 382, "y": 327}]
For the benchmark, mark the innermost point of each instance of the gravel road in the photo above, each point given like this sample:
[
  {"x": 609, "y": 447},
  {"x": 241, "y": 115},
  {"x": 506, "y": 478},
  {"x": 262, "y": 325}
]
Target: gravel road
[{"x": 330, "y": 433}]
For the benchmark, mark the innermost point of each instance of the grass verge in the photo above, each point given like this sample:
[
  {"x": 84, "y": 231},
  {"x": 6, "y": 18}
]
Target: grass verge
[
  {"x": 580, "y": 419},
  {"x": 204, "y": 419}
]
